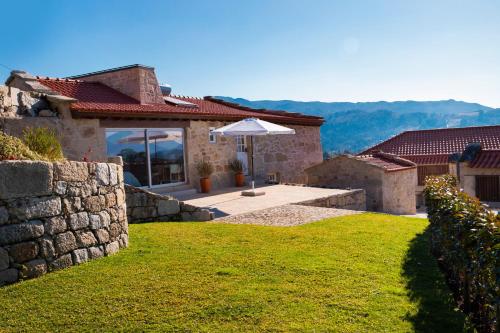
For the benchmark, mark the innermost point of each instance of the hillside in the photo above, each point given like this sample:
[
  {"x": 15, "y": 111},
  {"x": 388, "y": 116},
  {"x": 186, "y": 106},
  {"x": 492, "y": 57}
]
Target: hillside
[{"x": 355, "y": 126}]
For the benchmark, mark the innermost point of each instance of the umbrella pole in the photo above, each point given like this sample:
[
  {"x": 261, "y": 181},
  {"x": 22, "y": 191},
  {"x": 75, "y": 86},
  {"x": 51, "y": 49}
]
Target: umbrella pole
[{"x": 253, "y": 168}]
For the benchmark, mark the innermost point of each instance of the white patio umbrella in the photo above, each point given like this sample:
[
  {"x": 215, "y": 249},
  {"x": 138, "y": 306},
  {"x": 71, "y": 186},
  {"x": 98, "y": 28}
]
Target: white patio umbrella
[{"x": 252, "y": 127}]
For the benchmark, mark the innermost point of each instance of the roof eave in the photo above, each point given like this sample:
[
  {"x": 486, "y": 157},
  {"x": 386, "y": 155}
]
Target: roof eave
[{"x": 78, "y": 113}]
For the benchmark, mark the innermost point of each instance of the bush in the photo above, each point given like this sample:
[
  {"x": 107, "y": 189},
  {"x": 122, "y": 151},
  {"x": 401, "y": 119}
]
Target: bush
[
  {"x": 43, "y": 141},
  {"x": 236, "y": 166},
  {"x": 465, "y": 237},
  {"x": 204, "y": 168},
  {"x": 12, "y": 148}
]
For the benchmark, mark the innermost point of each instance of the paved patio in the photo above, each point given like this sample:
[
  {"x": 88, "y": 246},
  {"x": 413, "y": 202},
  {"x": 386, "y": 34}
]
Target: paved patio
[{"x": 230, "y": 201}]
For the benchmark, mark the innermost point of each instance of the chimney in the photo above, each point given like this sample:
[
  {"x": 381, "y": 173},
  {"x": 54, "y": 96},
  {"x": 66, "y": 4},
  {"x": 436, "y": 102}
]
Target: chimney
[{"x": 136, "y": 81}]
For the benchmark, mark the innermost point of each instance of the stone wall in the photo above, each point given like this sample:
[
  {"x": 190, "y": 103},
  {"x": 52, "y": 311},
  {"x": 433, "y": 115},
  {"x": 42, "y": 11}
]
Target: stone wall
[
  {"x": 138, "y": 82},
  {"x": 391, "y": 192},
  {"x": 54, "y": 215},
  {"x": 344, "y": 172},
  {"x": 218, "y": 153},
  {"x": 288, "y": 155},
  {"x": 351, "y": 199},
  {"x": 145, "y": 206},
  {"x": 399, "y": 192}
]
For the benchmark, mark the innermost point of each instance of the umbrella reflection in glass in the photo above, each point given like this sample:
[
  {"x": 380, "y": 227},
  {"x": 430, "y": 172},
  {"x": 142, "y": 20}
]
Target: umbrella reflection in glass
[
  {"x": 134, "y": 138},
  {"x": 163, "y": 154}
]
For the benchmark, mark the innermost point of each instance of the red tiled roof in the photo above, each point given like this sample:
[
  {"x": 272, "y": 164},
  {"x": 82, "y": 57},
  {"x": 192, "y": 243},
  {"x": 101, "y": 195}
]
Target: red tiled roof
[
  {"x": 96, "y": 99},
  {"x": 389, "y": 162},
  {"x": 434, "y": 146},
  {"x": 486, "y": 159}
]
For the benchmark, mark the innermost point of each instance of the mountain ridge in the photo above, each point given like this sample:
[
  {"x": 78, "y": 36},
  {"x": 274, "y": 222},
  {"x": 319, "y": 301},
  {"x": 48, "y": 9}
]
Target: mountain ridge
[{"x": 355, "y": 126}]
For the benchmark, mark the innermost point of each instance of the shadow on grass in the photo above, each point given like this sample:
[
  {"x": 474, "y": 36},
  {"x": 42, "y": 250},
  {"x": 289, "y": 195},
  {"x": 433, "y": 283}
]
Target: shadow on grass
[{"x": 427, "y": 288}]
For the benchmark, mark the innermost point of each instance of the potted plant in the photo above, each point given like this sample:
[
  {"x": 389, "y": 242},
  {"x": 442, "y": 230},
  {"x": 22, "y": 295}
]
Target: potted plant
[
  {"x": 205, "y": 169},
  {"x": 236, "y": 166}
]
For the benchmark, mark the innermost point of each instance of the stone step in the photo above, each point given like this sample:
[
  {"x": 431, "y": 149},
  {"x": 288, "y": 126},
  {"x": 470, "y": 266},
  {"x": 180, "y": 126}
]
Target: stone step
[{"x": 178, "y": 191}]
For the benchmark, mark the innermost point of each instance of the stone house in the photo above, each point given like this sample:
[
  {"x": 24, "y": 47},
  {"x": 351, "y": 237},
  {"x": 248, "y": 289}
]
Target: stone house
[
  {"x": 160, "y": 136},
  {"x": 389, "y": 181},
  {"x": 470, "y": 153}
]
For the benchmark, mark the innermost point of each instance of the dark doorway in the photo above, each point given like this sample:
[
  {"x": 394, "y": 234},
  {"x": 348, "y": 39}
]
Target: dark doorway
[{"x": 488, "y": 188}]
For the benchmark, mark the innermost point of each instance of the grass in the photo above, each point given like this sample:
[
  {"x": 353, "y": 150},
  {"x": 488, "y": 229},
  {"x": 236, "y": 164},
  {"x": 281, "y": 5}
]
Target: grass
[{"x": 360, "y": 273}]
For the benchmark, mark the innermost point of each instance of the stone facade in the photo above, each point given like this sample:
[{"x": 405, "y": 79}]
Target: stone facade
[
  {"x": 391, "y": 192},
  {"x": 54, "y": 215},
  {"x": 145, "y": 206},
  {"x": 352, "y": 200},
  {"x": 288, "y": 155},
  {"x": 219, "y": 154}
]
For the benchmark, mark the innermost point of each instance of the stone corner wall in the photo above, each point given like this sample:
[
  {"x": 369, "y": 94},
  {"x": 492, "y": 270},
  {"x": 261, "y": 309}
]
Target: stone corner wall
[
  {"x": 399, "y": 192},
  {"x": 54, "y": 215},
  {"x": 146, "y": 206},
  {"x": 345, "y": 172}
]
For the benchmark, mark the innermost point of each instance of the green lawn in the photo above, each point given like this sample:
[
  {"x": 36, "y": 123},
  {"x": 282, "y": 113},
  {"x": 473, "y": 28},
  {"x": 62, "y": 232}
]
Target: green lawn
[{"x": 360, "y": 273}]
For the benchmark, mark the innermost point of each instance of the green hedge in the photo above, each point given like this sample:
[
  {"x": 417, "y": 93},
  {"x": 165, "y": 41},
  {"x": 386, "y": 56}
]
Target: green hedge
[{"x": 465, "y": 238}]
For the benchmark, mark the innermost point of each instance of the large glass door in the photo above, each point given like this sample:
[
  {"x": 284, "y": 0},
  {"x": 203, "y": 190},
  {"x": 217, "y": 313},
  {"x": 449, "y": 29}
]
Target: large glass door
[
  {"x": 166, "y": 151},
  {"x": 151, "y": 157}
]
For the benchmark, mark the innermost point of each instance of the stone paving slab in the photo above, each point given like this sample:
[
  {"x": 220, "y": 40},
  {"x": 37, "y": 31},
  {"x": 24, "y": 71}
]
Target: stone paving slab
[
  {"x": 231, "y": 202},
  {"x": 285, "y": 216}
]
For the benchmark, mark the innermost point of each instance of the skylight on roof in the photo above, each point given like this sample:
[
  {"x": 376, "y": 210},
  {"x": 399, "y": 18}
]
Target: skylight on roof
[{"x": 179, "y": 102}]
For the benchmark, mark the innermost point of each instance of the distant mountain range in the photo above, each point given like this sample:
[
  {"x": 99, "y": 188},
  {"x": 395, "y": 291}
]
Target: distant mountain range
[{"x": 352, "y": 127}]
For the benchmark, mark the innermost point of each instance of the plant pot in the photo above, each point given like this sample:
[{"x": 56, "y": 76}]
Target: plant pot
[
  {"x": 239, "y": 179},
  {"x": 205, "y": 185}
]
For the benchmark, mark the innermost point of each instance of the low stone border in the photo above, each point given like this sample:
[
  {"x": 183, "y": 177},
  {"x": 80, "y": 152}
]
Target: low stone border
[
  {"x": 352, "y": 200},
  {"x": 146, "y": 206}
]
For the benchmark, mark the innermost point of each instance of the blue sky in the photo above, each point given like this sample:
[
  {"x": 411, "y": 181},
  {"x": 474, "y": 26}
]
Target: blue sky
[{"x": 303, "y": 50}]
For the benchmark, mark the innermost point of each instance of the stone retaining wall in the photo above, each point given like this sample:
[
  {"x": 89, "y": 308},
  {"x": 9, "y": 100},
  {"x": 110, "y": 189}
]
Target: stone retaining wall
[
  {"x": 353, "y": 200},
  {"x": 54, "y": 215},
  {"x": 146, "y": 206}
]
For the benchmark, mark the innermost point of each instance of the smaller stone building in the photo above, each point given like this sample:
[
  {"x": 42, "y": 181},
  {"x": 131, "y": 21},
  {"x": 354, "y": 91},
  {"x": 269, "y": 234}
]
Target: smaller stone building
[{"x": 389, "y": 181}]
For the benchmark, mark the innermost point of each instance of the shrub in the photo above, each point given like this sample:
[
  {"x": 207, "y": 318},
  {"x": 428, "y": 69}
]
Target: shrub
[
  {"x": 204, "y": 168},
  {"x": 236, "y": 166},
  {"x": 44, "y": 141},
  {"x": 465, "y": 237},
  {"x": 12, "y": 148}
]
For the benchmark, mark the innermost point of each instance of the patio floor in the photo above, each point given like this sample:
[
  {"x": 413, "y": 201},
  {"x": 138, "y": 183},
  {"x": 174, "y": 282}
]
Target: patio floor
[{"x": 230, "y": 201}]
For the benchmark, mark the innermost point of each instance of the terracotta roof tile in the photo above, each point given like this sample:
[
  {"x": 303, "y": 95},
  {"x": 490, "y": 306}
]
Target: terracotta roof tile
[
  {"x": 486, "y": 159},
  {"x": 386, "y": 161},
  {"x": 96, "y": 99},
  {"x": 439, "y": 141},
  {"x": 428, "y": 159}
]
